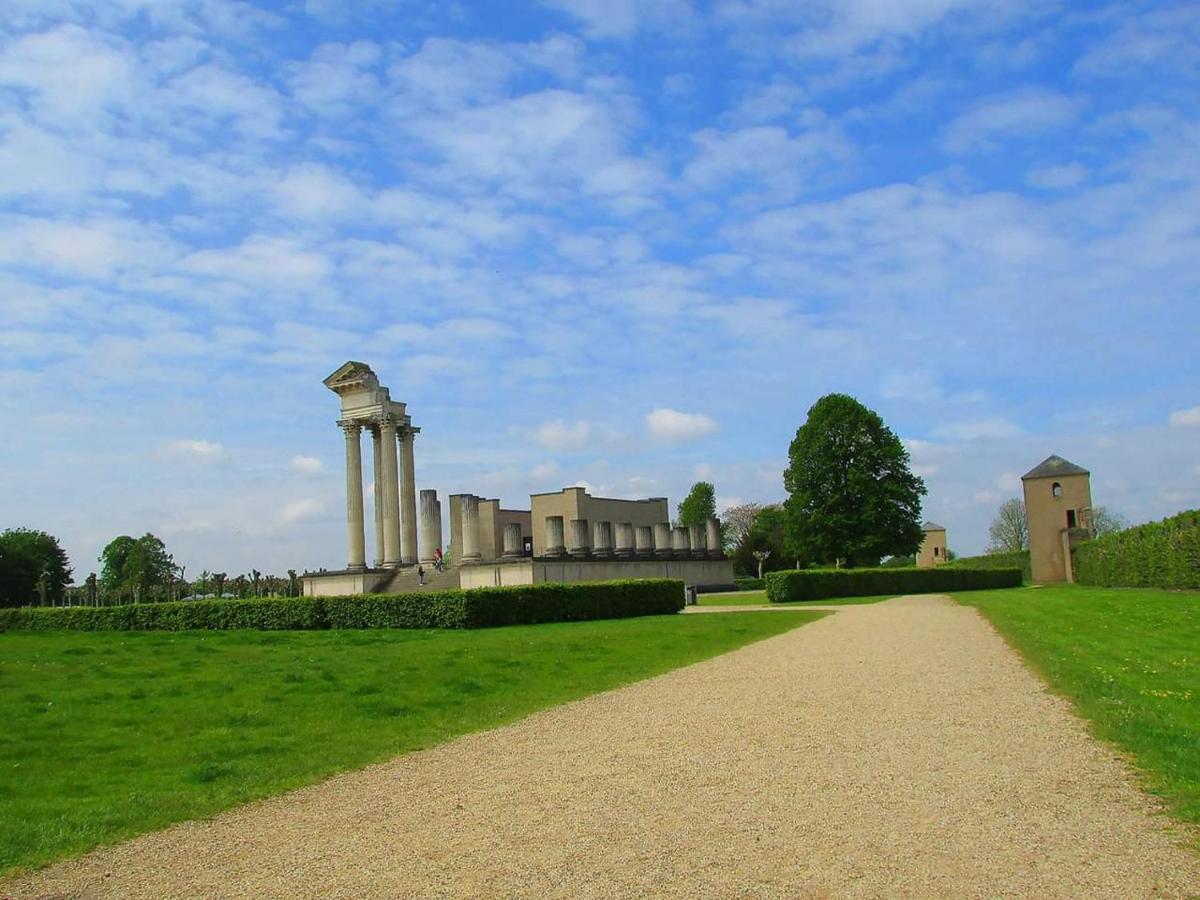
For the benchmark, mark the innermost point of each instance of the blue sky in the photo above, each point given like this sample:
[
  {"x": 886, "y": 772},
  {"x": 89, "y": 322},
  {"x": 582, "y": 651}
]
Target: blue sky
[{"x": 603, "y": 241}]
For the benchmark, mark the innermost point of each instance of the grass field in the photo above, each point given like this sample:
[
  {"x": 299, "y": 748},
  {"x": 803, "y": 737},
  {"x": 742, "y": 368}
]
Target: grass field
[
  {"x": 757, "y": 598},
  {"x": 108, "y": 735},
  {"x": 1130, "y": 661}
]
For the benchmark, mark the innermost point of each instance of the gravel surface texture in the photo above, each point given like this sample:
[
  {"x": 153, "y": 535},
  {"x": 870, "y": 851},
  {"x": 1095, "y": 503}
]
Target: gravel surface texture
[{"x": 895, "y": 749}]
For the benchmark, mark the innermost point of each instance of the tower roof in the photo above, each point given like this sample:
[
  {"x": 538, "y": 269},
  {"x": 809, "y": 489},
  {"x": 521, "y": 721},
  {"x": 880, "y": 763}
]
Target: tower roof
[
  {"x": 933, "y": 526},
  {"x": 1054, "y": 466}
]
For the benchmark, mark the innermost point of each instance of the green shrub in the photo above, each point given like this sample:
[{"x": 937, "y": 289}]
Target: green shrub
[
  {"x": 750, "y": 584},
  {"x": 1013, "y": 559},
  {"x": 823, "y": 584},
  {"x": 483, "y": 608},
  {"x": 1162, "y": 554}
]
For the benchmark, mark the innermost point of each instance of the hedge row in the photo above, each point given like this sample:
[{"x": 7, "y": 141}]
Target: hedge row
[
  {"x": 1162, "y": 554},
  {"x": 1014, "y": 559},
  {"x": 823, "y": 584},
  {"x": 750, "y": 584},
  {"x": 482, "y": 608}
]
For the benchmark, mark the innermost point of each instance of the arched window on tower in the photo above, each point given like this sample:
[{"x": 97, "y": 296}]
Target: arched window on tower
[{"x": 1056, "y": 490}]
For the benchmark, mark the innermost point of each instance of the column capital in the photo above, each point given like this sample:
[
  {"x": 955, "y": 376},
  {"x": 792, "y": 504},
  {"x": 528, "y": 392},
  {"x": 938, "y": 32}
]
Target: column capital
[{"x": 350, "y": 426}]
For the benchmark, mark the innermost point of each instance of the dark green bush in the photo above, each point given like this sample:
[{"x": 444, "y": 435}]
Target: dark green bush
[
  {"x": 483, "y": 608},
  {"x": 1162, "y": 554},
  {"x": 1014, "y": 559},
  {"x": 824, "y": 584},
  {"x": 750, "y": 584}
]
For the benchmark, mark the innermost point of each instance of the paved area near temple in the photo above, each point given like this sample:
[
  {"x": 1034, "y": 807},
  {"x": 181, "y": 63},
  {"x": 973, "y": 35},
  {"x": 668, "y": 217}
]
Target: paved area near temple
[{"x": 895, "y": 749}]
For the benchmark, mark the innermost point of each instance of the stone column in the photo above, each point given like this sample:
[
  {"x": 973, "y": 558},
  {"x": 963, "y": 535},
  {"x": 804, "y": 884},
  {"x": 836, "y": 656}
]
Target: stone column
[
  {"x": 580, "y": 539},
  {"x": 470, "y": 529},
  {"x": 643, "y": 541},
  {"x": 662, "y": 540},
  {"x": 624, "y": 540},
  {"x": 555, "y": 547},
  {"x": 715, "y": 550},
  {"x": 408, "y": 499},
  {"x": 354, "y": 497},
  {"x": 431, "y": 525},
  {"x": 679, "y": 542},
  {"x": 512, "y": 541},
  {"x": 377, "y": 458},
  {"x": 696, "y": 539},
  {"x": 602, "y": 541},
  {"x": 391, "y": 495}
]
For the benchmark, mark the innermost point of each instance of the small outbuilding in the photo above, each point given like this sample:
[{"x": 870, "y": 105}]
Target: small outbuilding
[
  {"x": 1058, "y": 512},
  {"x": 933, "y": 550}
]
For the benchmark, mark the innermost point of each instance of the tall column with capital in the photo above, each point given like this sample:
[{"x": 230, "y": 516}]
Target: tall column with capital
[
  {"x": 431, "y": 525},
  {"x": 408, "y": 499},
  {"x": 377, "y": 458},
  {"x": 470, "y": 529},
  {"x": 354, "y": 497},
  {"x": 391, "y": 494}
]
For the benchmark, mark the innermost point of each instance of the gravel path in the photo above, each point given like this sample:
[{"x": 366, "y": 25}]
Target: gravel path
[{"x": 897, "y": 749}]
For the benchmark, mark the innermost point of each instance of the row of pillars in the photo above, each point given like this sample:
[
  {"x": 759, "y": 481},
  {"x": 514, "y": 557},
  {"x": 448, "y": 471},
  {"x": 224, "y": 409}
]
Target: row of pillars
[
  {"x": 395, "y": 494},
  {"x": 596, "y": 540}
]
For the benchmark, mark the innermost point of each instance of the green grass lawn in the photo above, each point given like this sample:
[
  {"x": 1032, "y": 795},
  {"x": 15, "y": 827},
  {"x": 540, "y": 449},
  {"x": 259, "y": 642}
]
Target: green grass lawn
[
  {"x": 1130, "y": 661},
  {"x": 107, "y": 735},
  {"x": 757, "y": 598}
]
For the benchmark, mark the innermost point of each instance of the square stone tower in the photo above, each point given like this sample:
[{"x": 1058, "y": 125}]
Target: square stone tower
[
  {"x": 933, "y": 546},
  {"x": 1058, "y": 511}
]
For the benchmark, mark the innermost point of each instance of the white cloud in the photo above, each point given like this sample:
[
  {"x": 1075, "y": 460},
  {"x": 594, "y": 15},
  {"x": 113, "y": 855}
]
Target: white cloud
[
  {"x": 558, "y": 435},
  {"x": 672, "y": 425},
  {"x": 994, "y": 120},
  {"x": 307, "y": 465},
  {"x": 301, "y": 511},
  {"x": 1186, "y": 418},
  {"x": 624, "y": 18},
  {"x": 978, "y": 429},
  {"x": 1057, "y": 177},
  {"x": 192, "y": 448}
]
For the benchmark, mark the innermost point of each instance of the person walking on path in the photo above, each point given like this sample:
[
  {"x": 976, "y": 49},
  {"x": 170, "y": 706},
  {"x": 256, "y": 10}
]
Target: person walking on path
[{"x": 420, "y": 574}]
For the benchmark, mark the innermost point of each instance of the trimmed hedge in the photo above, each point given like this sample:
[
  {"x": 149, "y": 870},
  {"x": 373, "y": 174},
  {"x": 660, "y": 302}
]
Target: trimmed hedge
[
  {"x": 824, "y": 584},
  {"x": 1162, "y": 554},
  {"x": 482, "y": 608},
  {"x": 750, "y": 584},
  {"x": 1014, "y": 559}
]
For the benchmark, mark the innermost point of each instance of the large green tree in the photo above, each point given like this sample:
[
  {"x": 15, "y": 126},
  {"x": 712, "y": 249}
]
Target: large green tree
[
  {"x": 28, "y": 557},
  {"x": 699, "y": 505},
  {"x": 851, "y": 495},
  {"x": 136, "y": 568}
]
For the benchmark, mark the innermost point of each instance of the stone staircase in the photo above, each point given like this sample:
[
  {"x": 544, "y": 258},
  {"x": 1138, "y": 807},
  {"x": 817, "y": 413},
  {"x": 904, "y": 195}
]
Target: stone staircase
[{"x": 405, "y": 581}]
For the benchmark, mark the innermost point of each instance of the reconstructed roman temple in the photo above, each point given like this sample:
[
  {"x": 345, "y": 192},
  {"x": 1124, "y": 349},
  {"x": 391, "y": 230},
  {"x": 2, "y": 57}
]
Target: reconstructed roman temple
[{"x": 565, "y": 535}]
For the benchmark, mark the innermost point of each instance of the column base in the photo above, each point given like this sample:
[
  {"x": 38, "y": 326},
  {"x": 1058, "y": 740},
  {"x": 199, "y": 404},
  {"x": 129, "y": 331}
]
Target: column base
[
  {"x": 352, "y": 567},
  {"x": 555, "y": 553}
]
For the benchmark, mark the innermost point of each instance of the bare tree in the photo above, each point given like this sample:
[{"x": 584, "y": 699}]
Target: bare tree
[
  {"x": 761, "y": 556},
  {"x": 1009, "y": 531},
  {"x": 1107, "y": 521},
  {"x": 736, "y": 522}
]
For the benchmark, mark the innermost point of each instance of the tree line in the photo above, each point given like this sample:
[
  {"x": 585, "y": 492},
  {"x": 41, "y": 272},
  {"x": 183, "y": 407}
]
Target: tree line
[{"x": 34, "y": 570}]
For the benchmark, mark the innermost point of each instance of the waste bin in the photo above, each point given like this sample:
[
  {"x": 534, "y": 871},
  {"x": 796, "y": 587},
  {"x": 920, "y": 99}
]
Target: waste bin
[{"x": 689, "y": 595}]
